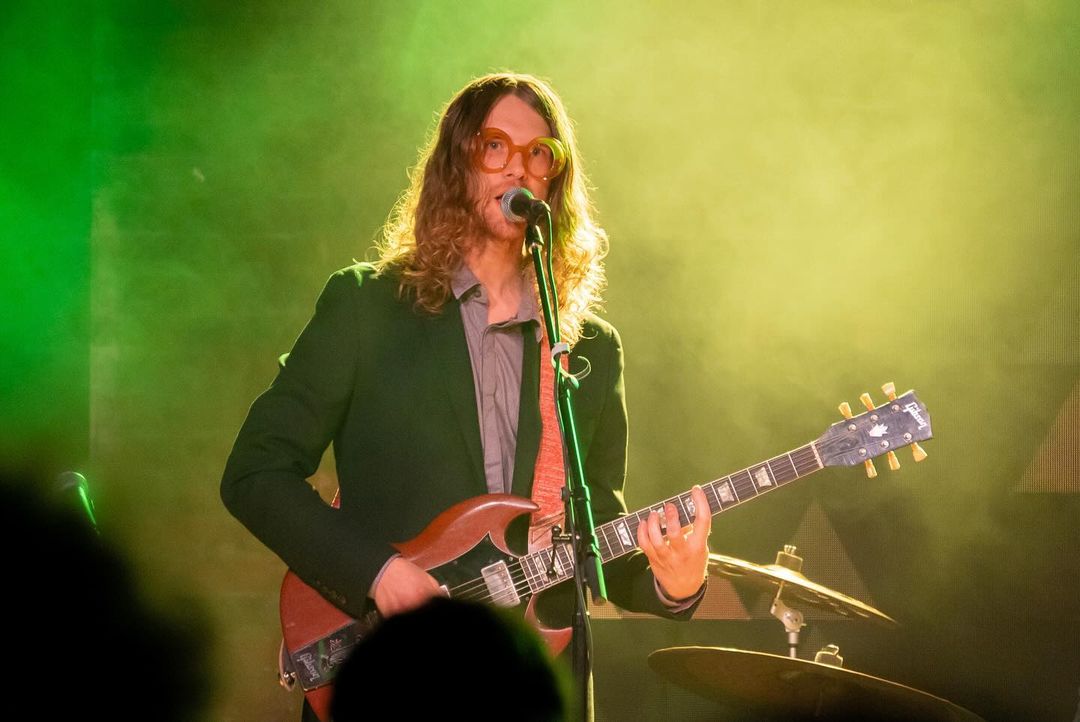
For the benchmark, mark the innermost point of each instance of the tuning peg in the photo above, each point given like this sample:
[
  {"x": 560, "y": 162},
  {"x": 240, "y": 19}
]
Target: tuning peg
[
  {"x": 871, "y": 471},
  {"x": 894, "y": 463},
  {"x": 917, "y": 451},
  {"x": 867, "y": 401},
  {"x": 890, "y": 390},
  {"x": 845, "y": 409}
]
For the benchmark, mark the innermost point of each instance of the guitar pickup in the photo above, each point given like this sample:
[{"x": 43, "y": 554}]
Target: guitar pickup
[{"x": 499, "y": 585}]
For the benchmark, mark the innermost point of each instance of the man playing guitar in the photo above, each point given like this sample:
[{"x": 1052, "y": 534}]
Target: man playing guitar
[{"x": 424, "y": 371}]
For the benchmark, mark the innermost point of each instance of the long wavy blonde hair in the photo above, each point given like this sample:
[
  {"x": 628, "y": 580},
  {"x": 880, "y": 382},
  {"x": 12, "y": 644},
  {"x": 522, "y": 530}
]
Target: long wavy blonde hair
[{"x": 430, "y": 230}]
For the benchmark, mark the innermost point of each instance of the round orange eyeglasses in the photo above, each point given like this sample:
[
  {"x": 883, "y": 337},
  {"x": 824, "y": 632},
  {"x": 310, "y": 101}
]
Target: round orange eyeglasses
[{"x": 543, "y": 158}]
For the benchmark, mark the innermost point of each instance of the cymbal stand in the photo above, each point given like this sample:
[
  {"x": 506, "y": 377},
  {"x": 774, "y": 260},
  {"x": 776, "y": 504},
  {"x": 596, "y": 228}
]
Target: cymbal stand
[{"x": 792, "y": 620}]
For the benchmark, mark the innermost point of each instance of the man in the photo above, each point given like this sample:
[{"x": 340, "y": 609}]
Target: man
[{"x": 424, "y": 371}]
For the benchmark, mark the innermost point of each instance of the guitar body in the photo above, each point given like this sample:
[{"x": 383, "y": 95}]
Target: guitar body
[{"x": 456, "y": 549}]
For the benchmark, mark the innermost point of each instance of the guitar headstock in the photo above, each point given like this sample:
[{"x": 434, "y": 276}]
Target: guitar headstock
[{"x": 901, "y": 421}]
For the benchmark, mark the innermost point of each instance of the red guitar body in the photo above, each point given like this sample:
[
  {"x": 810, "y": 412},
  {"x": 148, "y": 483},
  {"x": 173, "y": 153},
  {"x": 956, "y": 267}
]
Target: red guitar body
[{"x": 465, "y": 538}]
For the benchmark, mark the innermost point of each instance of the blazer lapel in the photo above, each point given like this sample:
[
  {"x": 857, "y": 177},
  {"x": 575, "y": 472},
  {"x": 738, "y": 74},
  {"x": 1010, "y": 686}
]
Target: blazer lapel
[
  {"x": 528, "y": 433},
  {"x": 450, "y": 353}
]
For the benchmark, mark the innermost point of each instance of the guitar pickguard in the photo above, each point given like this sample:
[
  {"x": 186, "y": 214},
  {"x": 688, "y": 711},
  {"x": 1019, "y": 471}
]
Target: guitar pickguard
[{"x": 484, "y": 574}]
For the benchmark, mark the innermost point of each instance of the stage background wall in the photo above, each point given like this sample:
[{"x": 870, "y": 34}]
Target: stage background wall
[{"x": 805, "y": 200}]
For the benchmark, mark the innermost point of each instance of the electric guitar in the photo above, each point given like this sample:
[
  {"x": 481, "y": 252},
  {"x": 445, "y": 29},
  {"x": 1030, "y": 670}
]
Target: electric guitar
[{"x": 466, "y": 550}]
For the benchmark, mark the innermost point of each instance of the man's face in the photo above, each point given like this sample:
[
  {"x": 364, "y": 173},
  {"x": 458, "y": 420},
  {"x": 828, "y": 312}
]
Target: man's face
[{"x": 516, "y": 118}]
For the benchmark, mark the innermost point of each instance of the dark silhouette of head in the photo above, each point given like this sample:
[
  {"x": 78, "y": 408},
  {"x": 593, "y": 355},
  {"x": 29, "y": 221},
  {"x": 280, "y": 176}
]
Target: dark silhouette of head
[
  {"x": 452, "y": 658},
  {"x": 84, "y": 641}
]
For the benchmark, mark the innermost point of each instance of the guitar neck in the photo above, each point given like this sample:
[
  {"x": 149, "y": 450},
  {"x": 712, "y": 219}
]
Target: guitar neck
[{"x": 619, "y": 537}]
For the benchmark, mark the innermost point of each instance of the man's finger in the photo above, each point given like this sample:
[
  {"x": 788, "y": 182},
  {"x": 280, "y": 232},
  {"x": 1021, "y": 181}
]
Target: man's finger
[
  {"x": 655, "y": 535},
  {"x": 702, "y": 513}
]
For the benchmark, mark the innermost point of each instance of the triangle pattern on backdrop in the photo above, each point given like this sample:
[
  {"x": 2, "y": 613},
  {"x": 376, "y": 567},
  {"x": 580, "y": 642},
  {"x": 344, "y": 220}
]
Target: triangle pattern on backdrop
[
  {"x": 1055, "y": 468},
  {"x": 825, "y": 562}
]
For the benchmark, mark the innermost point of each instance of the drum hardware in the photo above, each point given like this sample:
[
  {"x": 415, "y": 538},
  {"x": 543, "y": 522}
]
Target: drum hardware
[
  {"x": 798, "y": 689},
  {"x": 794, "y": 688},
  {"x": 785, "y": 575}
]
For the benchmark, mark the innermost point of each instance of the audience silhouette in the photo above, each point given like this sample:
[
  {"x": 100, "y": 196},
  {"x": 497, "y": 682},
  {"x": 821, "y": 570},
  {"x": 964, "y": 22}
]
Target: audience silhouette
[
  {"x": 83, "y": 641},
  {"x": 452, "y": 658}
]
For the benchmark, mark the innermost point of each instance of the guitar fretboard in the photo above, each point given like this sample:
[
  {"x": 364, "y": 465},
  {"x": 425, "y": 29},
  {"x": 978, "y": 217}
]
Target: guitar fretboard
[{"x": 618, "y": 537}]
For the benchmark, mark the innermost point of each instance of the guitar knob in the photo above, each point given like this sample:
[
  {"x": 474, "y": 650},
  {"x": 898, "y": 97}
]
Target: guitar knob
[
  {"x": 894, "y": 463},
  {"x": 845, "y": 409},
  {"x": 889, "y": 390},
  {"x": 871, "y": 471},
  {"x": 917, "y": 451},
  {"x": 867, "y": 401}
]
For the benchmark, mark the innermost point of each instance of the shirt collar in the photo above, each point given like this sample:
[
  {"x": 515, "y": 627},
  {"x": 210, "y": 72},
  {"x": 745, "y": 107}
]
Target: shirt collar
[{"x": 464, "y": 281}]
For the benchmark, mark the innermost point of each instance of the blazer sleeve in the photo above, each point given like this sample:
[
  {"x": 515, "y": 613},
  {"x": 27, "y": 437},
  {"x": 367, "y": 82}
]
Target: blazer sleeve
[
  {"x": 282, "y": 440},
  {"x": 630, "y": 582}
]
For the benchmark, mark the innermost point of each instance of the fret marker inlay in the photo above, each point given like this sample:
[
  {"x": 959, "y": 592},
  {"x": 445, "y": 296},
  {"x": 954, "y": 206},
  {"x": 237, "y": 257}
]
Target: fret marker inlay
[
  {"x": 761, "y": 476},
  {"x": 725, "y": 492}
]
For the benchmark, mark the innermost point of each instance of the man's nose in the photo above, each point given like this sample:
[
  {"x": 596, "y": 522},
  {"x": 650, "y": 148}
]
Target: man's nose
[{"x": 515, "y": 167}]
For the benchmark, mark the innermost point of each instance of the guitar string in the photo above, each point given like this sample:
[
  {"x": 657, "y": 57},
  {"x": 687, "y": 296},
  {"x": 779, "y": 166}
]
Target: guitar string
[
  {"x": 520, "y": 578},
  {"x": 479, "y": 592},
  {"x": 477, "y": 588}
]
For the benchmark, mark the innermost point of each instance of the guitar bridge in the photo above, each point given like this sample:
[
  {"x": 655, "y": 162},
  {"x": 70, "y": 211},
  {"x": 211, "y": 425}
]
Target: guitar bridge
[{"x": 500, "y": 586}]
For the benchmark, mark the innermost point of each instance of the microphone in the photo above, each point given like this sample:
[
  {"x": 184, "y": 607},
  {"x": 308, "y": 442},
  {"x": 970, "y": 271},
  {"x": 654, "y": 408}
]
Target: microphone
[
  {"x": 72, "y": 486},
  {"x": 520, "y": 206}
]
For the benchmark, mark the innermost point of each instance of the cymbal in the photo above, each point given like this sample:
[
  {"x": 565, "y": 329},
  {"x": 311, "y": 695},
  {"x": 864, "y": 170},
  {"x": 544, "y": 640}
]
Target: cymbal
[
  {"x": 797, "y": 689},
  {"x": 796, "y": 587}
]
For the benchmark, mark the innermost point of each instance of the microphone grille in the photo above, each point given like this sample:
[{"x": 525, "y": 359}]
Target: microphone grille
[
  {"x": 69, "y": 480},
  {"x": 507, "y": 204}
]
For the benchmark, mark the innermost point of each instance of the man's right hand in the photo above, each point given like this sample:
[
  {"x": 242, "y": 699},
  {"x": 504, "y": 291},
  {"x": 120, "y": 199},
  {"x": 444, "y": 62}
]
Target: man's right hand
[{"x": 404, "y": 586}]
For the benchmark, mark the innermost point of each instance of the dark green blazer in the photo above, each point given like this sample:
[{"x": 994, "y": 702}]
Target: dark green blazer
[{"x": 392, "y": 389}]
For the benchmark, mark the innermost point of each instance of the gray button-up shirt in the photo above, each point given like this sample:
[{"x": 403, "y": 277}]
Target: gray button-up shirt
[{"x": 496, "y": 352}]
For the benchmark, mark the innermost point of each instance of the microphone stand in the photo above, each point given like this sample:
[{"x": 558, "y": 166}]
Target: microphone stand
[{"x": 580, "y": 528}]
